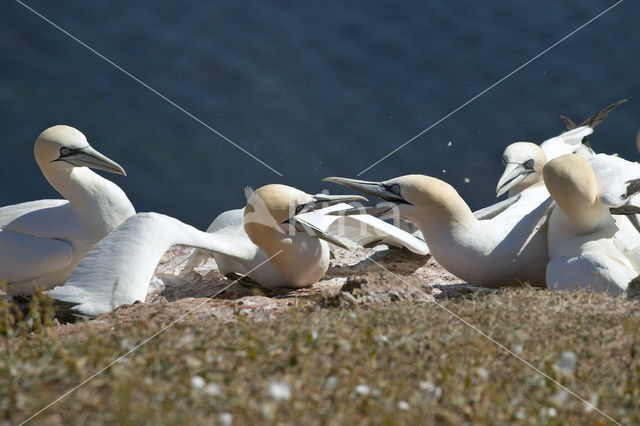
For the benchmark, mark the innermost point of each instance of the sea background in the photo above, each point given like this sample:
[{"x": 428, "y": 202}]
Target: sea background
[{"x": 311, "y": 88}]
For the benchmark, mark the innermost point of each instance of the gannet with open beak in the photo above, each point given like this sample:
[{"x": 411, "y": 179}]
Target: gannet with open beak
[
  {"x": 587, "y": 248},
  {"x": 278, "y": 247},
  {"x": 489, "y": 252},
  {"x": 42, "y": 241}
]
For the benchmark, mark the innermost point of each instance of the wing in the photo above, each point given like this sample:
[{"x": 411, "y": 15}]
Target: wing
[
  {"x": 229, "y": 222},
  {"x": 566, "y": 143},
  {"x": 597, "y": 118},
  {"x": 495, "y": 209},
  {"x": 599, "y": 271},
  {"x": 26, "y": 258},
  {"x": 365, "y": 230},
  {"x": 618, "y": 179},
  {"x": 119, "y": 268},
  {"x": 10, "y": 213}
]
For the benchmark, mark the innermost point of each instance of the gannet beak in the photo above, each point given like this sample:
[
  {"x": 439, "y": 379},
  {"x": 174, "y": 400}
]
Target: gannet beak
[
  {"x": 304, "y": 226},
  {"x": 89, "y": 157},
  {"x": 321, "y": 201},
  {"x": 377, "y": 189},
  {"x": 380, "y": 210},
  {"x": 514, "y": 173}
]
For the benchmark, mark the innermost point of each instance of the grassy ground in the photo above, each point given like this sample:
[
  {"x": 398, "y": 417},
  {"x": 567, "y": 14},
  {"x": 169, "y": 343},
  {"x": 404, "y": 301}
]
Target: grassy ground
[{"x": 392, "y": 364}]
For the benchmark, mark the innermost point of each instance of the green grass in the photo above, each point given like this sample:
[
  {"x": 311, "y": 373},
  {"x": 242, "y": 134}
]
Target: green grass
[{"x": 418, "y": 363}]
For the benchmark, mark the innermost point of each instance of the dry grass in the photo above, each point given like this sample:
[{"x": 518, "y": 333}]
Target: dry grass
[{"x": 400, "y": 363}]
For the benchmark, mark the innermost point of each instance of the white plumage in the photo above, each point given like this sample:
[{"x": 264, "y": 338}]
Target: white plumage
[
  {"x": 587, "y": 247},
  {"x": 268, "y": 241},
  {"x": 42, "y": 241}
]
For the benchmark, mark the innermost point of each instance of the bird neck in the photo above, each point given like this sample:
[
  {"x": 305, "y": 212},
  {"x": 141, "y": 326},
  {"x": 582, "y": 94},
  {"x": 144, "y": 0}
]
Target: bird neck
[
  {"x": 585, "y": 216},
  {"x": 289, "y": 251},
  {"x": 447, "y": 217},
  {"x": 92, "y": 196}
]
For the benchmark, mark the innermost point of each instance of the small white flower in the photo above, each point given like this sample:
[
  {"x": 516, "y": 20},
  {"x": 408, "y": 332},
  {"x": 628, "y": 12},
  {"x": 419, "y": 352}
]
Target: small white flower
[
  {"x": 197, "y": 382},
  {"x": 225, "y": 419},
  {"x": 567, "y": 363},
  {"x": 363, "y": 389},
  {"x": 483, "y": 373},
  {"x": 332, "y": 381},
  {"x": 279, "y": 390},
  {"x": 213, "y": 389},
  {"x": 403, "y": 405}
]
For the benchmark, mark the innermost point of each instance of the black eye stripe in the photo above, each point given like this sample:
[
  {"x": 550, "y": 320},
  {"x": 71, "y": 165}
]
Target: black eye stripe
[
  {"x": 395, "y": 188},
  {"x": 66, "y": 152}
]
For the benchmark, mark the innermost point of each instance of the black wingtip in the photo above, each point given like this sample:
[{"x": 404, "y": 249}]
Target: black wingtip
[
  {"x": 597, "y": 118},
  {"x": 568, "y": 122}
]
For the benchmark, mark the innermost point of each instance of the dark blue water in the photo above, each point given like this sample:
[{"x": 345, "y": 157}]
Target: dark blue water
[{"x": 312, "y": 88}]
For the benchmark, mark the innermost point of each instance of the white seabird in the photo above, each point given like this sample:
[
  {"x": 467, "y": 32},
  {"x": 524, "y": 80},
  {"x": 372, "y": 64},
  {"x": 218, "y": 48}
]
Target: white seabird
[
  {"x": 523, "y": 161},
  {"x": 587, "y": 247},
  {"x": 42, "y": 241},
  {"x": 505, "y": 249},
  {"x": 276, "y": 246}
]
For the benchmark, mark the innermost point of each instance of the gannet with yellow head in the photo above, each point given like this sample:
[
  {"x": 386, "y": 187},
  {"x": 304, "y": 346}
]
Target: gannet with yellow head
[
  {"x": 42, "y": 241},
  {"x": 587, "y": 247},
  {"x": 489, "y": 252},
  {"x": 277, "y": 247}
]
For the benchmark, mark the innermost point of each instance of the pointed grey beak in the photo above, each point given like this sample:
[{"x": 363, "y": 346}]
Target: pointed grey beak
[
  {"x": 514, "y": 173},
  {"x": 377, "y": 189},
  {"x": 89, "y": 157},
  {"x": 321, "y": 201},
  {"x": 304, "y": 226}
]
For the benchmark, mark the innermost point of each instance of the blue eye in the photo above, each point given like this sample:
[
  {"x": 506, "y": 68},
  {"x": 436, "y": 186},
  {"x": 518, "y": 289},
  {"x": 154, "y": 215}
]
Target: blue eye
[
  {"x": 529, "y": 164},
  {"x": 64, "y": 151},
  {"x": 395, "y": 188}
]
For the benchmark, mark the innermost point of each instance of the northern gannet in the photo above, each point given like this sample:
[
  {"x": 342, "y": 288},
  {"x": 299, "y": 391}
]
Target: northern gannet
[
  {"x": 277, "y": 246},
  {"x": 587, "y": 247},
  {"x": 42, "y": 241},
  {"x": 523, "y": 161},
  {"x": 490, "y": 252}
]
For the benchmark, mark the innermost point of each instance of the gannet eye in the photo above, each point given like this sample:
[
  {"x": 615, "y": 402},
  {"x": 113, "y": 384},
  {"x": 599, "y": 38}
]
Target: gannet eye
[
  {"x": 64, "y": 151},
  {"x": 395, "y": 188},
  {"x": 529, "y": 164},
  {"x": 504, "y": 161},
  {"x": 299, "y": 208}
]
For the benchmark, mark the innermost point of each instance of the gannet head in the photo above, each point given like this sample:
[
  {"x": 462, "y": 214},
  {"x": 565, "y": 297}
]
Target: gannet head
[
  {"x": 411, "y": 195},
  {"x": 273, "y": 206},
  {"x": 523, "y": 163},
  {"x": 573, "y": 185},
  {"x": 60, "y": 147}
]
